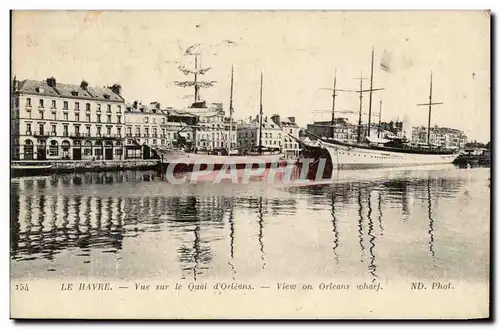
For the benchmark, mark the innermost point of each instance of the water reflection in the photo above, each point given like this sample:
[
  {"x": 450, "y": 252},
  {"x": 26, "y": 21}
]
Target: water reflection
[{"x": 54, "y": 218}]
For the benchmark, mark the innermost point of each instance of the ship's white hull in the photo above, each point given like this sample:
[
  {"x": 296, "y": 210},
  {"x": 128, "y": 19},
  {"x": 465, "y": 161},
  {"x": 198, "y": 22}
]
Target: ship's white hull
[
  {"x": 351, "y": 157},
  {"x": 175, "y": 156}
]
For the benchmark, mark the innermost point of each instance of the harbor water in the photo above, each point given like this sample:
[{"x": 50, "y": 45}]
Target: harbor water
[{"x": 379, "y": 225}]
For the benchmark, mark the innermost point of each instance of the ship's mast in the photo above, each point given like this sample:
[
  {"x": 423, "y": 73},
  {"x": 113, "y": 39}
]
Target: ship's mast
[
  {"x": 360, "y": 105},
  {"x": 371, "y": 92},
  {"x": 430, "y": 111},
  {"x": 196, "y": 83},
  {"x": 260, "y": 113},
  {"x": 231, "y": 111},
  {"x": 379, "y": 120},
  {"x": 196, "y": 87},
  {"x": 333, "y": 103}
]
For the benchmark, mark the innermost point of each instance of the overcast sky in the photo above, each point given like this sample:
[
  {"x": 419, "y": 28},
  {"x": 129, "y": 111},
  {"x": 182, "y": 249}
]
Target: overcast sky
[{"x": 297, "y": 51}]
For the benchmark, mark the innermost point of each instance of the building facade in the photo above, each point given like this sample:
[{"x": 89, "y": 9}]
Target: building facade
[
  {"x": 290, "y": 146},
  {"x": 440, "y": 136},
  {"x": 55, "y": 121},
  {"x": 148, "y": 126},
  {"x": 249, "y": 135}
]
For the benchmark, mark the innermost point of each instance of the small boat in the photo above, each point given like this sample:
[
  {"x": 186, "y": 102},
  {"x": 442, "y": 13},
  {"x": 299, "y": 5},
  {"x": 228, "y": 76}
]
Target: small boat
[
  {"x": 24, "y": 169},
  {"x": 30, "y": 167}
]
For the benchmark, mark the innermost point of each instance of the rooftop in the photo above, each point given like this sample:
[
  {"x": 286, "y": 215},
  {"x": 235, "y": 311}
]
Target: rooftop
[{"x": 50, "y": 87}]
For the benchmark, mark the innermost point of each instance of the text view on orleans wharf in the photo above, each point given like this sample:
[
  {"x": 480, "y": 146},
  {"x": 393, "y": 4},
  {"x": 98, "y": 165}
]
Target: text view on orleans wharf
[{"x": 336, "y": 153}]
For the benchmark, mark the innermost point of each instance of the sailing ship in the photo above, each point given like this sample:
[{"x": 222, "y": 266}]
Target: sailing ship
[
  {"x": 381, "y": 151},
  {"x": 185, "y": 160}
]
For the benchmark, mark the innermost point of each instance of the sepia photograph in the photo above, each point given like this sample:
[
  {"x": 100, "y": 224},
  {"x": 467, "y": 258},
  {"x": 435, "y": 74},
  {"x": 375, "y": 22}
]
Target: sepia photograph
[{"x": 250, "y": 164}]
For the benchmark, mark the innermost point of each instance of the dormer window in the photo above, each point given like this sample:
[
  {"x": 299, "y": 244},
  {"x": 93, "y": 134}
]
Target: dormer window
[
  {"x": 74, "y": 93},
  {"x": 106, "y": 96},
  {"x": 40, "y": 90}
]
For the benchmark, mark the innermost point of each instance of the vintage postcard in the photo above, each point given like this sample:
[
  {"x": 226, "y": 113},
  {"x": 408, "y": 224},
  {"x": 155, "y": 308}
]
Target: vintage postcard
[{"x": 250, "y": 165}]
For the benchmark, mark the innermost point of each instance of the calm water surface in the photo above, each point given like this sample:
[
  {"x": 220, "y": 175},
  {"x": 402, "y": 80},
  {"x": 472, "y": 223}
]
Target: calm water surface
[{"x": 422, "y": 223}]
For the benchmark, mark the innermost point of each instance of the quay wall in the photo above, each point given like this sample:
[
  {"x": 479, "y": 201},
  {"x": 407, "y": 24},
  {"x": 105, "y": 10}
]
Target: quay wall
[{"x": 69, "y": 166}]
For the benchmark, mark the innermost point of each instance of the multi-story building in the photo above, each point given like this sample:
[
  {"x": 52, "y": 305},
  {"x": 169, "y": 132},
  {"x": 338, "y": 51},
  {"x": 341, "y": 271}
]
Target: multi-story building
[
  {"x": 344, "y": 130},
  {"x": 51, "y": 121},
  {"x": 441, "y": 136},
  {"x": 290, "y": 146},
  {"x": 148, "y": 126},
  {"x": 249, "y": 135}
]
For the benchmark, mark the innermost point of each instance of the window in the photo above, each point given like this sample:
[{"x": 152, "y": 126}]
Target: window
[
  {"x": 40, "y": 103},
  {"x": 77, "y": 106},
  {"x": 65, "y": 130},
  {"x": 87, "y": 151},
  {"x": 53, "y": 104},
  {"x": 291, "y": 131},
  {"x": 41, "y": 114},
  {"x": 154, "y": 120},
  {"x": 65, "y": 116},
  {"x": 146, "y": 119},
  {"x": 40, "y": 128},
  {"x": 154, "y": 132},
  {"x": 88, "y": 117},
  {"x": 87, "y": 107},
  {"x": 119, "y": 118},
  {"x": 163, "y": 132},
  {"x": 54, "y": 130},
  {"x": 98, "y": 152},
  {"x": 28, "y": 129},
  {"x": 137, "y": 131},
  {"x": 109, "y": 130},
  {"x": 129, "y": 131},
  {"x": 109, "y": 107},
  {"x": 98, "y": 118},
  {"x": 77, "y": 130},
  {"x": 28, "y": 102},
  {"x": 98, "y": 131},
  {"x": 65, "y": 105},
  {"x": 109, "y": 118},
  {"x": 54, "y": 116},
  {"x": 146, "y": 131},
  {"x": 119, "y": 109},
  {"x": 163, "y": 120},
  {"x": 98, "y": 107},
  {"x": 88, "y": 131},
  {"x": 119, "y": 131},
  {"x": 77, "y": 116}
]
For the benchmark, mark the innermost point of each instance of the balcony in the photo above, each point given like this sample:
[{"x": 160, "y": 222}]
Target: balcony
[
  {"x": 44, "y": 134},
  {"x": 112, "y": 136},
  {"x": 77, "y": 135}
]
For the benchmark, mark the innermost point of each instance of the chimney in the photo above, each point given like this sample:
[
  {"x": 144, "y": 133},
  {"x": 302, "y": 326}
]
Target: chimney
[
  {"x": 117, "y": 89},
  {"x": 292, "y": 119},
  {"x": 51, "y": 82},
  {"x": 250, "y": 118},
  {"x": 265, "y": 118},
  {"x": 84, "y": 84},
  {"x": 277, "y": 119},
  {"x": 156, "y": 105},
  {"x": 135, "y": 104}
]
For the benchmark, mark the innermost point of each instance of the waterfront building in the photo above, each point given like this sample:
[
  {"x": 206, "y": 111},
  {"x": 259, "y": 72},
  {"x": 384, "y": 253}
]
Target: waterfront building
[
  {"x": 290, "y": 146},
  {"x": 212, "y": 130},
  {"x": 249, "y": 138},
  {"x": 150, "y": 126},
  {"x": 344, "y": 130},
  {"x": 441, "y": 136},
  {"x": 54, "y": 121}
]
